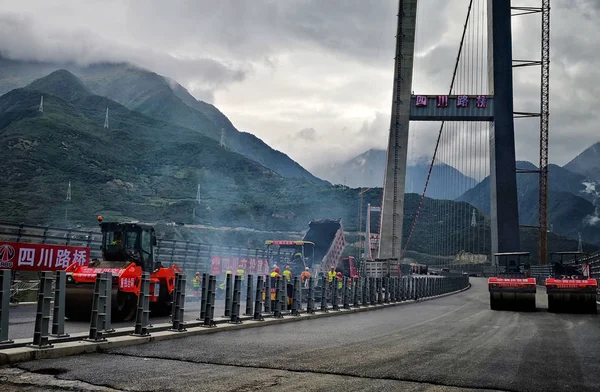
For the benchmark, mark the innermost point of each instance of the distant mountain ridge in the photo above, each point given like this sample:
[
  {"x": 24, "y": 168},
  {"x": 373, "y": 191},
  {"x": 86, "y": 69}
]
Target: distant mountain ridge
[
  {"x": 368, "y": 168},
  {"x": 161, "y": 98},
  {"x": 587, "y": 163},
  {"x": 570, "y": 203}
]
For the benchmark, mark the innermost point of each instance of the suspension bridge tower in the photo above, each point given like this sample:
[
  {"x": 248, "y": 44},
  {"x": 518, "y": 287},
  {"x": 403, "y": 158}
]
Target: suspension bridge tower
[{"x": 495, "y": 108}]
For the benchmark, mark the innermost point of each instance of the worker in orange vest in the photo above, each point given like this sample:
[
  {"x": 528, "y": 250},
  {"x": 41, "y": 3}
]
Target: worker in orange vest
[{"x": 305, "y": 276}]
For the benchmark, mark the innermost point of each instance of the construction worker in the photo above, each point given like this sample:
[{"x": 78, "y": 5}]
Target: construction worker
[
  {"x": 117, "y": 240},
  {"x": 275, "y": 273},
  {"x": 287, "y": 273},
  {"x": 331, "y": 274},
  {"x": 223, "y": 286},
  {"x": 241, "y": 272},
  {"x": 305, "y": 276},
  {"x": 196, "y": 284},
  {"x": 339, "y": 280}
]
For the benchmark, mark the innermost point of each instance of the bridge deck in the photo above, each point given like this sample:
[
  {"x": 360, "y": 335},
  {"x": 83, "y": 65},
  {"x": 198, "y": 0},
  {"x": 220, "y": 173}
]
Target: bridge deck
[{"x": 448, "y": 344}]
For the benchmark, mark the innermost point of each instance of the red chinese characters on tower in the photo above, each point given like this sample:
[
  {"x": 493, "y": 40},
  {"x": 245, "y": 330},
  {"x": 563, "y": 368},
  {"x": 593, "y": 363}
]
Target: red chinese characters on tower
[
  {"x": 481, "y": 101},
  {"x": 462, "y": 101},
  {"x": 421, "y": 100},
  {"x": 442, "y": 101}
]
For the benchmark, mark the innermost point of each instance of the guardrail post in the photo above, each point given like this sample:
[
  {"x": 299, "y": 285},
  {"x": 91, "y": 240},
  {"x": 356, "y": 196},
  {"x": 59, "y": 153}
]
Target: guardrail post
[
  {"x": 98, "y": 309},
  {"x": 388, "y": 293},
  {"x": 4, "y": 305},
  {"x": 392, "y": 281},
  {"x": 345, "y": 301},
  {"x": 278, "y": 293},
  {"x": 42, "y": 316},
  {"x": 399, "y": 289},
  {"x": 365, "y": 291},
  {"x": 258, "y": 304},
  {"x": 355, "y": 287},
  {"x": 334, "y": 294},
  {"x": 227, "y": 312},
  {"x": 179, "y": 308},
  {"x": 295, "y": 295},
  {"x": 380, "y": 293},
  {"x": 235, "y": 305},
  {"x": 268, "y": 304},
  {"x": 175, "y": 294},
  {"x": 324, "y": 294},
  {"x": 58, "y": 314},
  {"x": 203, "y": 297},
  {"x": 310, "y": 301},
  {"x": 211, "y": 292},
  {"x": 142, "y": 315},
  {"x": 249, "y": 289},
  {"x": 107, "y": 326},
  {"x": 284, "y": 296}
]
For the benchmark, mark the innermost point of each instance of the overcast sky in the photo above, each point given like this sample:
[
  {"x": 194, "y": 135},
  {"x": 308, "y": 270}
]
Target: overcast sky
[{"x": 313, "y": 78}]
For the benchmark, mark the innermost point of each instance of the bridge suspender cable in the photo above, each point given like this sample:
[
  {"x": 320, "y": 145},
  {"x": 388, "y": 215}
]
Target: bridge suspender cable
[{"x": 416, "y": 219}]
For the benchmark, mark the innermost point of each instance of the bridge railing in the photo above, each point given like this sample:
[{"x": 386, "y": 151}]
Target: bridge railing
[
  {"x": 188, "y": 255},
  {"x": 260, "y": 296}
]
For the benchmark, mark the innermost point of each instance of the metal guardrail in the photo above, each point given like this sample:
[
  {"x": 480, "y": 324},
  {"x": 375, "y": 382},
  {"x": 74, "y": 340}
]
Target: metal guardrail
[
  {"x": 187, "y": 255},
  {"x": 278, "y": 299}
]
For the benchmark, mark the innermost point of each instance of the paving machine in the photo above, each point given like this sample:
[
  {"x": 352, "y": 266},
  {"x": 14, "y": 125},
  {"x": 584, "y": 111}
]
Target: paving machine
[
  {"x": 127, "y": 251},
  {"x": 514, "y": 288},
  {"x": 568, "y": 288}
]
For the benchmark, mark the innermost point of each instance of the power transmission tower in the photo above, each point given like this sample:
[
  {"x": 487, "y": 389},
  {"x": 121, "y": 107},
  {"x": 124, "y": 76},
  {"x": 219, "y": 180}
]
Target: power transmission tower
[
  {"x": 222, "y": 142},
  {"x": 579, "y": 243},
  {"x": 68, "y": 200},
  {"x": 473, "y": 219},
  {"x": 69, "y": 192},
  {"x": 106, "y": 119},
  {"x": 41, "y": 109}
]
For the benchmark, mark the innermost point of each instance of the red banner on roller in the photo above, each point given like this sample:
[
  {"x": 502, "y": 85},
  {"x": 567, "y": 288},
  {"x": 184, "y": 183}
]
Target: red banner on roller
[
  {"x": 19, "y": 256},
  {"x": 220, "y": 265}
]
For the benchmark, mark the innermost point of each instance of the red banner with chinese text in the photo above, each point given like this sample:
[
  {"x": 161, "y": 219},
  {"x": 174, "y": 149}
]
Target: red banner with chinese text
[
  {"x": 219, "y": 265},
  {"x": 21, "y": 256}
]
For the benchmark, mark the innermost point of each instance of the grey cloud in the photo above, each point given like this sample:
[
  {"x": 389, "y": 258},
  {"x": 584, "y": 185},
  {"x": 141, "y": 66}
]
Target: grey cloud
[
  {"x": 308, "y": 134},
  {"x": 219, "y": 49},
  {"x": 21, "y": 37}
]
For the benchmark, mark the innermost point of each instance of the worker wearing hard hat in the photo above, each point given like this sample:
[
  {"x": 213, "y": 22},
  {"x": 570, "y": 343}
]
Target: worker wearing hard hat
[
  {"x": 339, "y": 280},
  {"x": 331, "y": 274},
  {"x": 305, "y": 276},
  {"x": 275, "y": 273},
  {"x": 196, "y": 284},
  {"x": 288, "y": 273}
]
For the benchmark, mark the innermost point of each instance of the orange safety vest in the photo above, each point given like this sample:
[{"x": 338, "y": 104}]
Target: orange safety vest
[{"x": 304, "y": 275}]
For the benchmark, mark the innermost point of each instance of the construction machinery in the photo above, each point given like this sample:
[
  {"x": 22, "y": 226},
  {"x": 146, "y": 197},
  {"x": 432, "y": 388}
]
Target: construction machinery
[
  {"x": 297, "y": 254},
  {"x": 568, "y": 288},
  {"x": 513, "y": 288},
  {"x": 127, "y": 252}
]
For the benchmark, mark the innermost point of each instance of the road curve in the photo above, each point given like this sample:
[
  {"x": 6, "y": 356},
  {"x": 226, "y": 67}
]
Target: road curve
[{"x": 455, "y": 343}]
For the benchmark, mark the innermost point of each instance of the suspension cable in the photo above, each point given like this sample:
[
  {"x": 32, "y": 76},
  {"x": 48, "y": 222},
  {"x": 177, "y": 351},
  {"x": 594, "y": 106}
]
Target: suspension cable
[{"x": 416, "y": 219}]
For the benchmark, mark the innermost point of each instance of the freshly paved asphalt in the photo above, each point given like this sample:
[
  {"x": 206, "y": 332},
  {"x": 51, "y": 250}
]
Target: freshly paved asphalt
[{"x": 455, "y": 343}]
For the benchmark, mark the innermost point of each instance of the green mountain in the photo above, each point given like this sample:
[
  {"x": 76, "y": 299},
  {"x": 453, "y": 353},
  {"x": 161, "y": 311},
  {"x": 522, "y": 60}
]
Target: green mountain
[
  {"x": 159, "y": 98},
  {"x": 139, "y": 168},
  {"x": 144, "y": 169},
  {"x": 570, "y": 207}
]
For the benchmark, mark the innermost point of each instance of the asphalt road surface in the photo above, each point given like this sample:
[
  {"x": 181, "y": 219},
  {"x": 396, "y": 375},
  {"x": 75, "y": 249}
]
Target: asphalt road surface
[{"x": 455, "y": 343}]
